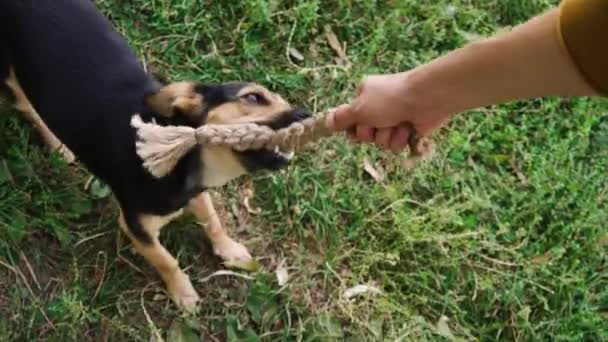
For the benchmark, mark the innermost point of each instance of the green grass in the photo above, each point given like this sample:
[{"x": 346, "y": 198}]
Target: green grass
[{"x": 503, "y": 232}]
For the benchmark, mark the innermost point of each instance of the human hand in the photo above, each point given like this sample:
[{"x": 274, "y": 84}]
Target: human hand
[{"x": 388, "y": 110}]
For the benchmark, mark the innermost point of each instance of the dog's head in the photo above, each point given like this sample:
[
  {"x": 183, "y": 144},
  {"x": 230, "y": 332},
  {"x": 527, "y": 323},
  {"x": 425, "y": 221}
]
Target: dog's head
[{"x": 194, "y": 105}]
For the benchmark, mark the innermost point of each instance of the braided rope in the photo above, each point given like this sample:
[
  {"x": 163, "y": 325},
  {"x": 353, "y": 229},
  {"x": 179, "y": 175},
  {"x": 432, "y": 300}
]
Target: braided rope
[
  {"x": 161, "y": 147},
  {"x": 250, "y": 136}
]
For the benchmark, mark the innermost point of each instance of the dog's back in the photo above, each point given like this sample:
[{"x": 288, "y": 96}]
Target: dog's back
[
  {"x": 74, "y": 67},
  {"x": 84, "y": 80}
]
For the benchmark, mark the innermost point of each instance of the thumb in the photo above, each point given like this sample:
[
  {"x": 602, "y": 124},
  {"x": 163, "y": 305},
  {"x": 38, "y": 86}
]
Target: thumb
[{"x": 341, "y": 118}]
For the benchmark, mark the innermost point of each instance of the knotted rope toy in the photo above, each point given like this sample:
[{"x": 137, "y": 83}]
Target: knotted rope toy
[{"x": 161, "y": 147}]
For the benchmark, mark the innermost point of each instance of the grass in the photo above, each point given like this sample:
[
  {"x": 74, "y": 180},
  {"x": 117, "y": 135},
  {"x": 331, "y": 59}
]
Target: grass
[{"x": 502, "y": 236}]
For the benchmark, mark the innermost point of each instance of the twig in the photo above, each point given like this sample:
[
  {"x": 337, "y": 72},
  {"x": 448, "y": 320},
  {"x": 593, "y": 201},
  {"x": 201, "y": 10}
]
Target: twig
[
  {"x": 20, "y": 275},
  {"x": 445, "y": 238},
  {"x": 489, "y": 269},
  {"x": 103, "y": 274},
  {"x": 498, "y": 262},
  {"x": 125, "y": 260},
  {"x": 293, "y": 30},
  {"x": 9, "y": 267},
  {"x": 474, "y": 279},
  {"x": 224, "y": 272},
  {"x": 30, "y": 270},
  {"x": 89, "y": 238},
  {"x": 148, "y": 318}
]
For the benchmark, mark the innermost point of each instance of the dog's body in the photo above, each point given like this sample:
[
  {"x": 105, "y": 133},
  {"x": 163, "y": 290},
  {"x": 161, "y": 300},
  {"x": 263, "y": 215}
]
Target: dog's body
[{"x": 63, "y": 58}]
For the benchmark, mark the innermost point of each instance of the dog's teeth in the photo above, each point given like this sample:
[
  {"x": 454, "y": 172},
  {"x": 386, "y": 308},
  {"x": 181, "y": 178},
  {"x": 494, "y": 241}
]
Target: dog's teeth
[{"x": 277, "y": 150}]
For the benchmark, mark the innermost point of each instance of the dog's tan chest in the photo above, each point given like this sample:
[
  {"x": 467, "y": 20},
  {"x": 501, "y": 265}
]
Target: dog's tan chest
[{"x": 220, "y": 166}]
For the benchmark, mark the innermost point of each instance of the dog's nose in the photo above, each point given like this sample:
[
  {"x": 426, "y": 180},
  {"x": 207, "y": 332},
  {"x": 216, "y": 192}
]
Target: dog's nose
[{"x": 300, "y": 114}]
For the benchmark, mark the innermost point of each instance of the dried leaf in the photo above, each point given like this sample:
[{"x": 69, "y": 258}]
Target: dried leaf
[
  {"x": 296, "y": 54},
  {"x": 249, "y": 265},
  {"x": 443, "y": 328},
  {"x": 542, "y": 259},
  {"x": 99, "y": 190},
  {"x": 372, "y": 171},
  {"x": 334, "y": 43},
  {"x": 330, "y": 153},
  {"x": 159, "y": 297},
  {"x": 358, "y": 290},
  {"x": 248, "y": 194},
  {"x": 281, "y": 273}
]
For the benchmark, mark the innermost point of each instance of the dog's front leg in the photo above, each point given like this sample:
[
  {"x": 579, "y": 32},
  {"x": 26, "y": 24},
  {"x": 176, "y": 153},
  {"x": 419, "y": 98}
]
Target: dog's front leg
[
  {"x": 178, "y": 283},
  {"x": 223, "y": 246}
]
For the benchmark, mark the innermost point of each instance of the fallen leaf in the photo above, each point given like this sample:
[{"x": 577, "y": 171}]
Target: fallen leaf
[
  {"x": 281, "y": 273},
  {"x": 235, "y": 333},
  {"x": 334, "y": 43},
  {"x": 358, "y": 290},
  {"x": 330, "y": 153},
  {"x": 159, "y": 297},
  {"x": 443, "y": 328},
  {"x": 249, "y": 265},
  {"x": 372, "y": 171},
  {"x": 325, "y": 327},
  {"x": 524, "y": 314},
  {"x": 180, "y": 332},
  {"x": 248, "y": 194},
  {"x": 87, "y": 185},
  {"x": 99, "y": 190},
  {"x": 542, "y": 259},
  {"x": 296, "y": 54}
]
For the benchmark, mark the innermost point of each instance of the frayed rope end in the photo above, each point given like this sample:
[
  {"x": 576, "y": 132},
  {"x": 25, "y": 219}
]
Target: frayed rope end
[{"x": 162, "y": 147}]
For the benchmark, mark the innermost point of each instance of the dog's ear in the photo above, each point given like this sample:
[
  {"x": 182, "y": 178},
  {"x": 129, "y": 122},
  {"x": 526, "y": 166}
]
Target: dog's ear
[{"x": 180, "y": 99}]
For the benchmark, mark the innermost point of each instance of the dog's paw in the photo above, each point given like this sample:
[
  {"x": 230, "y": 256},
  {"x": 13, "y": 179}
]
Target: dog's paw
[
  {"x": 182, "y": 292},
  {"x": 230, "y": 250}
]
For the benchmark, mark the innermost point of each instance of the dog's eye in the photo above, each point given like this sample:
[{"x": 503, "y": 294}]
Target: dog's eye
[{"x": 254, "y": 98}]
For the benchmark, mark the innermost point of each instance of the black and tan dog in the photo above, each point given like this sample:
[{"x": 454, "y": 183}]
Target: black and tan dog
[{"x": 62, "y": 59}]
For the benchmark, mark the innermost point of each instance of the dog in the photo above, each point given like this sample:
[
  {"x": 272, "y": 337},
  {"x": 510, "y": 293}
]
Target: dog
[{"x": 79, "y": 82}]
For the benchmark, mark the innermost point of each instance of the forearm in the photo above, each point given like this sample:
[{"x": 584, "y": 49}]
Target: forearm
[{"x": 527, "y": 62}]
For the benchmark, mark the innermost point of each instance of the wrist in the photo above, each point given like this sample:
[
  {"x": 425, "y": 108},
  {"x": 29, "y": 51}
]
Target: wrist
[{"x": 428, "y": 95}]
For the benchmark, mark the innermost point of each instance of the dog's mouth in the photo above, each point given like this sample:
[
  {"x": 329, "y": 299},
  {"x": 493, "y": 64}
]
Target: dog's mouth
[{"x": 276, "y": 159}]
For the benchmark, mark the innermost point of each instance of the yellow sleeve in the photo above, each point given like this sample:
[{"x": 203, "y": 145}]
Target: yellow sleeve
[{"x": 583, "y": 30}]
